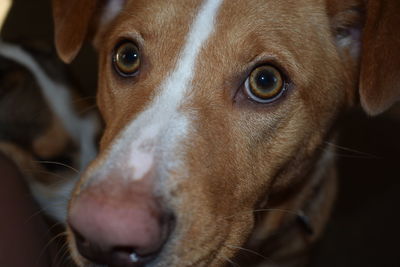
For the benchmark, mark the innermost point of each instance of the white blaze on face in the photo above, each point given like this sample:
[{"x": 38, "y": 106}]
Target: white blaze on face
[
  {"x": 158, "y": 130},
  {"x": 111, "y": 11}
]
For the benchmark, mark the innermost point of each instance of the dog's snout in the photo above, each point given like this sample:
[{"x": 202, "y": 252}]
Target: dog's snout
[{"x": 125, "y": 229}]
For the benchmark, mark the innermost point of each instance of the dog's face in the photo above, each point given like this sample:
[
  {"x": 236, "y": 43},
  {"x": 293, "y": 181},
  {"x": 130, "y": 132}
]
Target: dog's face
[{"x": 211, "y": 108}]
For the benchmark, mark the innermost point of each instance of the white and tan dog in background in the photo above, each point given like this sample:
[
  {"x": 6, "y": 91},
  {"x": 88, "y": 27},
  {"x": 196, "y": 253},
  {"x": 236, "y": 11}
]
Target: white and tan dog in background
[
  {"x": 46, "y": 127},
  {"x": 216, "y": 110}
]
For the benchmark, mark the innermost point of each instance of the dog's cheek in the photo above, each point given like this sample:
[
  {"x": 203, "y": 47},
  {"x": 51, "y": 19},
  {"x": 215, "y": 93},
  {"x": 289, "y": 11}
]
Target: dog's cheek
[{"x": 105, "y": 98}]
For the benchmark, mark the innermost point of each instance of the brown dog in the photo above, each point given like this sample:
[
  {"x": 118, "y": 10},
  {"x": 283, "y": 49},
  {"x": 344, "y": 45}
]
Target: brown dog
[{"x": 215, "y": 111}]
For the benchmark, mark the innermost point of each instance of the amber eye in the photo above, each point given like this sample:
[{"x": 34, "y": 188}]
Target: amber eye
[
  {"x": 126, "y": 58},
  {"x": 265, "y": 84}
]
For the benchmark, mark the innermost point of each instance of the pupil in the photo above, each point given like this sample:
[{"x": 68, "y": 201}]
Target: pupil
[
  {"x": 266, "y": 80},
  {"x": 129, "y": 56}
]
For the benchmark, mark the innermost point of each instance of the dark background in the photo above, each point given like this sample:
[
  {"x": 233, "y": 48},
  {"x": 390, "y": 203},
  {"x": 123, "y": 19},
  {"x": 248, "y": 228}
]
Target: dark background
[{"x": 365, "y": 227}]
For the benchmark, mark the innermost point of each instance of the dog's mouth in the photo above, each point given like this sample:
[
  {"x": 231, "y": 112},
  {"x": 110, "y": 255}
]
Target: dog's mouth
[
  {"x": 195, "y": 246},
  {"x": 130, "y": 257},
  {"x": 117, "y": 256},
  {"x": 122, "y": 255}
]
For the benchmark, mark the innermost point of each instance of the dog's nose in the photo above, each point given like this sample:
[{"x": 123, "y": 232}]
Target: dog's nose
[{"x": 118, "y": 229}]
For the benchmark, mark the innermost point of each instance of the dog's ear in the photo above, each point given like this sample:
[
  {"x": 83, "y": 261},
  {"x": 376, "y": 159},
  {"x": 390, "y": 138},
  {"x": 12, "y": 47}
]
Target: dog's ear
[
  {"x": 372, "y": 35},
  {"x": 74, "y": 20},
  {"x": 380, "y": 60}
]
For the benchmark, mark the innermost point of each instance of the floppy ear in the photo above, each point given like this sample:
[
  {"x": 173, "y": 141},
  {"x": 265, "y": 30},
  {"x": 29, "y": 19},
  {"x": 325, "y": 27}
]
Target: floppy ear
[
  {"x": 368, "y": 31},
  {"x": 74, "y": 20},
  {"x": 380, "y": 59}
]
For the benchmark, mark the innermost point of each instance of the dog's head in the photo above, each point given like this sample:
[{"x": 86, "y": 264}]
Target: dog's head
[{"x": 211, "y": 108}]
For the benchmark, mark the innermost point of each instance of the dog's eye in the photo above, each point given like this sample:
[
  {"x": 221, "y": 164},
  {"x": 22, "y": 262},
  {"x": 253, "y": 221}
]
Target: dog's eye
[
  {"x": 126, "y": 59},
  {"x": 265, "y": 84}
]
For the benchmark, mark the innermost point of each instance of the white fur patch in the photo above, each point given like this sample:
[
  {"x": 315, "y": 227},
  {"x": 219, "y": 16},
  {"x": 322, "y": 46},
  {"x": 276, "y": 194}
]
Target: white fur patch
[
  {"x": 157, "y": 131},
  {"x": 350, "y": 42},
  {"x": 111, "y": 11}
]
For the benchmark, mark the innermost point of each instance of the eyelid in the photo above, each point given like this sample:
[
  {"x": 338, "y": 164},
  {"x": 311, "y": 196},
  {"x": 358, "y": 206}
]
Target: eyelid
[
  {"x": 133, "y": 36},
  {"x": 121, "y": 41},
  {"x": 286, "y": 70}
]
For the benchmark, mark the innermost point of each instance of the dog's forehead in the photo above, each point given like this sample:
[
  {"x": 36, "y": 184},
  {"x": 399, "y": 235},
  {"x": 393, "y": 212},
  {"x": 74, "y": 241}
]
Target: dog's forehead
[
  {"x": 239, "y": 32},
  {"x": 168, "y": 22}
]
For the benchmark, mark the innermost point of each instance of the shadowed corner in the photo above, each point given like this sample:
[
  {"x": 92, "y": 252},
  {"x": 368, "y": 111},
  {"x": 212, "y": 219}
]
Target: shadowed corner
[{"x": 363, "y": 230}]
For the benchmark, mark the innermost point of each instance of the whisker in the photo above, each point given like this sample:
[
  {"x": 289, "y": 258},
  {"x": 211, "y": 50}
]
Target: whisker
[
  {"x": 43, "y": 209},
  {"x": 31, "y": 171},
  {"x": 229, "y": 260},
  {"x": 68, "y": 259},
  {"x": 354, "y": 156},
  {"x": 57, "y": 163},
  {"x": 81, "y": 99},
  {"x": 63, "y": 261},
  {"x": 59, "y": 182},
  {"x": 88, "y": 109},
  {"x": 48, "y": 244},
  {"x": 297, "y": 213},
  {"x": 54, "y": 226},
  {"x": 60, "y": 257},
  {"x": 247, "y": 250},
  {"x": 347, "y": 149}
]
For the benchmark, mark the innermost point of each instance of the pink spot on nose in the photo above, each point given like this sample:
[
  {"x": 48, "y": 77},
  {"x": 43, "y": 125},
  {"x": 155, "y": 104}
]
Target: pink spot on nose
[
  {"x": 141, "y": 155},
  {"x": 142, "y": 162}
]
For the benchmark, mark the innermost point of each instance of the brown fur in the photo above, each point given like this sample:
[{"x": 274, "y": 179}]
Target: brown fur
[
  {"x": 241, "y": 155},
  {"x": 380, "y": 66}
]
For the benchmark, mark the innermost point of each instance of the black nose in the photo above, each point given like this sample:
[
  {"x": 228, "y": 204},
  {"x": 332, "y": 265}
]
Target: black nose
[{"x": 118, "y": 256}]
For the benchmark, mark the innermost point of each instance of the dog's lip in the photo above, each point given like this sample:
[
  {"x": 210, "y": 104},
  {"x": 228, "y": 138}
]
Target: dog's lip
[{"x": 124, "y": 257}]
